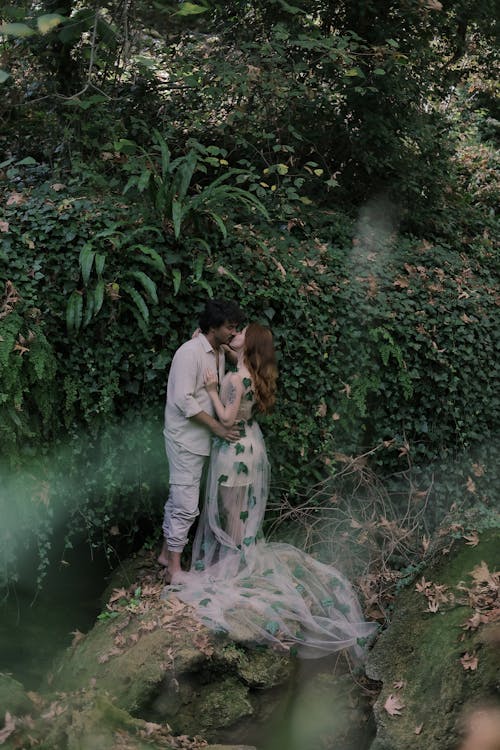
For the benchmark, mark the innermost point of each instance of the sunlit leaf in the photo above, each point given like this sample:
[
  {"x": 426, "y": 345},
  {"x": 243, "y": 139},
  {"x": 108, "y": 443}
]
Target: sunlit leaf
[
  {"x": 3, "y": 75},
  {"x": 16, "y": 29},
  {"x": 48, "y": 22},
  {"x": 190, "y": 9}
]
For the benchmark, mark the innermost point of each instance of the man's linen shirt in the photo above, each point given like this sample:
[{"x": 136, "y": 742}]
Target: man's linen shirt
[{"x": 187, "y": 395}]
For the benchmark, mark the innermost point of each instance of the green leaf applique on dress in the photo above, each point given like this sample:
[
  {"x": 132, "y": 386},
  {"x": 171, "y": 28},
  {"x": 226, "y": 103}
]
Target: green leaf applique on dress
[
  {"x": 246, "y": 382},
  {"x": 241, "y": 468},
  {"x": 239, "y": 448},
  {"x": 299, "y": 571},
  {"x": 272, "y": 627},
  {"x": 327, "y": 602},
  {"x": 222, "y": 478}
]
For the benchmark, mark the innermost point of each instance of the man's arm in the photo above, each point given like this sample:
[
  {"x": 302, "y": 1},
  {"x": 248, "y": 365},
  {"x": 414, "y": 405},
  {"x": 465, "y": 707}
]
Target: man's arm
[{"x": 226, "y": 433}]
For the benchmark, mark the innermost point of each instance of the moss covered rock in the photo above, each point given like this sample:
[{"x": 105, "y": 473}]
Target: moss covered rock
[
  {"x": 159, "y": 663},
  {"x": 13, "y": 697},
  {"x": 433, "y": 664}
]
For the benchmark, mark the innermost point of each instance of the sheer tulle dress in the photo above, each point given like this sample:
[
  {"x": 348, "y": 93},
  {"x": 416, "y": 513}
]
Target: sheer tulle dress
[{"x": 260, "y": 591}]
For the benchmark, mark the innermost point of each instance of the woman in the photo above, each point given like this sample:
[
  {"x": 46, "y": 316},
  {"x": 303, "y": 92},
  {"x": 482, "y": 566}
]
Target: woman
[
  {"x": 238, "y": 481},
  {"x": 239, "y": 583}
]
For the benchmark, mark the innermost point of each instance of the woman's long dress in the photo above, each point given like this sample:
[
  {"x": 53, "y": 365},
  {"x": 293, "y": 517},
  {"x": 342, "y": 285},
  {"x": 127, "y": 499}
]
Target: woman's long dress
[{"x": 252, "y": 589}]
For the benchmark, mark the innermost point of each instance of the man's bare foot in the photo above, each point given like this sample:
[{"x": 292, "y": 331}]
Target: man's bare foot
[{"x": 163, "y": 556}]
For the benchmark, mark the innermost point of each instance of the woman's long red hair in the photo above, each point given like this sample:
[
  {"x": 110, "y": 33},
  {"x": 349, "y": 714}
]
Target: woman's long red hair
[{"x": 260, "y": 358}]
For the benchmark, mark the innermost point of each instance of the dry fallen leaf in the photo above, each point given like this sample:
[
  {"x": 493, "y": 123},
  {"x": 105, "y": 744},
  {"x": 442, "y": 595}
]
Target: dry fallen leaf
[
  {"x": 472, "y": 539},
  {"x": 481, "y": 573},
  {"x": 77, "y": 637},
  {"x": 394, "y": 705},
  {"x": 469, "y": 661},
  {"x": 321, "y": 410},
  {"x": 423, "y": 585},
  {"x": 471, "y": 485},
  {"x": 118, "y": 594},
  {"x": 418, "y": 729},
  {"x": 10, "y": 725},
  {"x": 478, "y": 469},
  {"x": 15, "y": 199}
]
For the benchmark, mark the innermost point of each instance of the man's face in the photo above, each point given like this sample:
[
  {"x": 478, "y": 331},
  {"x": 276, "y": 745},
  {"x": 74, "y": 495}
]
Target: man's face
[{"x": 224, "y": 333}]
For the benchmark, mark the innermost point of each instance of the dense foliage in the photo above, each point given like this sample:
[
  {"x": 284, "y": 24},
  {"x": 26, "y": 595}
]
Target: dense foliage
[{"x": 333, "y": 169}]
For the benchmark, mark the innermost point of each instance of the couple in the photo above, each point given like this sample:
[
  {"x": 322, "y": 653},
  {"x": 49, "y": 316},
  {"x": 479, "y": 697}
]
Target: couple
[{"x": 239, "y": 583}]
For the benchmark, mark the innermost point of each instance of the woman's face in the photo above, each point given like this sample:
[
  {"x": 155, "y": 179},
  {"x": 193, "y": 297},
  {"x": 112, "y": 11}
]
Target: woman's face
[{"x": 238, "y": 341}]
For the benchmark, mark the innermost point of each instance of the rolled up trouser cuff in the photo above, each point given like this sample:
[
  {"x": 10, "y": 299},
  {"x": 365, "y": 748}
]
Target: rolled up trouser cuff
[{"x": 181, "y": 510}]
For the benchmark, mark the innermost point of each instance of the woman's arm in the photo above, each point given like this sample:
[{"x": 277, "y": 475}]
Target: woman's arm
[{"x": 226, "y": 412}]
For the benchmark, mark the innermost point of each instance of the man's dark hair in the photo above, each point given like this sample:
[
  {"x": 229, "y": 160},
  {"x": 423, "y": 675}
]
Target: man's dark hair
[{"x": 219, "y": 311}]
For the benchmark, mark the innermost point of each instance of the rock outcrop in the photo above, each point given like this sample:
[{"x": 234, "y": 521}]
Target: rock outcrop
[{"x": 440, "y": 656}]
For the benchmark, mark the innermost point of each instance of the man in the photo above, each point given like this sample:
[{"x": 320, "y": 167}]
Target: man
[{"x": 190, "y": 423}]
